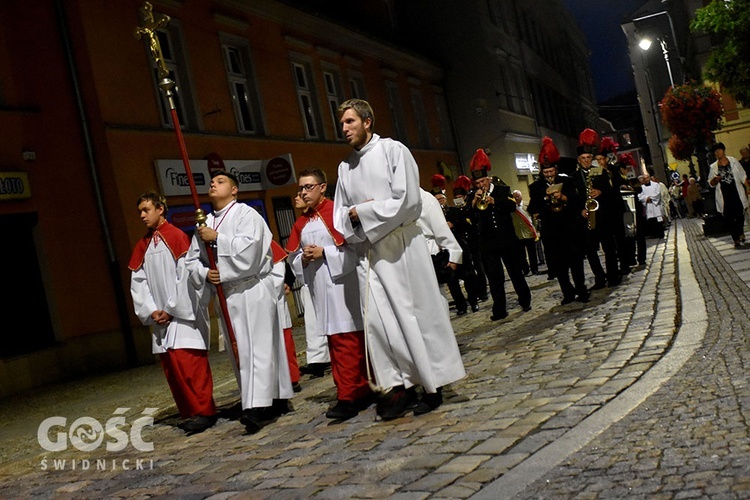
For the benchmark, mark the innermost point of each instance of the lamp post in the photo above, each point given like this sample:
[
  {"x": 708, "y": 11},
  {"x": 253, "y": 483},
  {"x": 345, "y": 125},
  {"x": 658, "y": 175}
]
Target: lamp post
[{"x": 646, "y": 43}]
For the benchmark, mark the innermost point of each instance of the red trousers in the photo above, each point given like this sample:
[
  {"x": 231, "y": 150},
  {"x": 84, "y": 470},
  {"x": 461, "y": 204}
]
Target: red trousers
[
  {"x": 349, "y": 365},
  {"x": 189, "y": 378},
  {"x": 291, "y": 355}
]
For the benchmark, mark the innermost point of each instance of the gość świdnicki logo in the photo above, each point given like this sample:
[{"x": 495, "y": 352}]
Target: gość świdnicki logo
[{"x": 87, "y": 434}]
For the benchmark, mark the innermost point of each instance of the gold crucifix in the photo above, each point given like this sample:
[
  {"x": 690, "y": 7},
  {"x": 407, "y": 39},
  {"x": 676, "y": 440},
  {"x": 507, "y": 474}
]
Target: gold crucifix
[{"x": 150, "y": 25}]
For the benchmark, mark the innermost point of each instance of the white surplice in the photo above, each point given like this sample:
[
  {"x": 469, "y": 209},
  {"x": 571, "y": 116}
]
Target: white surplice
[
  {"x": 653, "y": 207},
  {"x": 409, "y": 334},
  {"x": 332, "y": 282},
  {"x": 317, "y": 343},
  {"x": 245, "y": 262},
  {"x": 159, "y": 284},
  {"x": 436, "y": 230}
]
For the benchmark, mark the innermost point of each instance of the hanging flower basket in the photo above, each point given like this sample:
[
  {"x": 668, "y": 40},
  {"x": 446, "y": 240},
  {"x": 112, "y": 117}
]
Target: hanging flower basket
[
  {"x": 692, "y": 111},
  {"x": 680, "y": 148}
]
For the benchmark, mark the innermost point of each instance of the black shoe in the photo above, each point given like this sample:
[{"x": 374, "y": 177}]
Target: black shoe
[
  {"x": 526, "y": 308},
  {"x": 462, "y": 313},
  {"x": 474, "y": 308},
  {"x": 296, "y": 387},
  {"x": 280, "y": 407},
  {"x": 498, "y": 317},
  {"x": 198, "y": 423},
  {"x": 344, "y": 410},
  {"x": 568, "y": 300},
  {"x": 396, "y": 402},
  {"x": 583, "y": 298},
  {"x": 254, "y": 418},
  {"x": 314, "y": 369},
  {"x": 429, "y": 402},
  {"x": 613, "y": 283},
  {"x": 598, "y": 286}
]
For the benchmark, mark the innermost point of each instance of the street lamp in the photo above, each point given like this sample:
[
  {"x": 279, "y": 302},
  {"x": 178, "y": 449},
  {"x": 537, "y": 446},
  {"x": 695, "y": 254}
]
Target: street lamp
[{"x": 646, "y": 43}]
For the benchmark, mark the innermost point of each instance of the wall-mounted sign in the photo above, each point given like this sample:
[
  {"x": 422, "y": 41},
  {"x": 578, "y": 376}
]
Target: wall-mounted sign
[
  {"x": 253, "y": 175},
  {"x": 14, "y": 186},
  {"x": 526, "y": 162}
]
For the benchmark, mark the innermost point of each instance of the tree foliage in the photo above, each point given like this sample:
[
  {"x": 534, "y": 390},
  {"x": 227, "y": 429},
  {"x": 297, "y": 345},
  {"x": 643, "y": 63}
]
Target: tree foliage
[{"x": 728, "y": 23}]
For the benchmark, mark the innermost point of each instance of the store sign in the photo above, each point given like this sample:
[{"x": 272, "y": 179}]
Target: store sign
[
  {"x": 253, "y": 175},
  {"x": 526, "y": 163},
  {"x": 14, "y": 186}
]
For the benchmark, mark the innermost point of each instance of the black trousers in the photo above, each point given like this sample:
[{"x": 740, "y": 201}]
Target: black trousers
[
  {"x": 564, "y": 260},
  {"x": 493, "y": 258},
  {"x": 468, "y": 274},
  {"x": 529, "y": 260},
  {"x": 735, "y": 221},
  {"x": 605, "y": 236}
]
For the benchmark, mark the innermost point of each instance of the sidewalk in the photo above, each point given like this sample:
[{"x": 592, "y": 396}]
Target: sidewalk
[{"x": 600, "y": 400}]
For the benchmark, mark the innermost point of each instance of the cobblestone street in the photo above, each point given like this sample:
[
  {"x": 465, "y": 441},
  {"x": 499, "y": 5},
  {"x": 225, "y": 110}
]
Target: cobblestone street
[{"x": 641, "y": 392}]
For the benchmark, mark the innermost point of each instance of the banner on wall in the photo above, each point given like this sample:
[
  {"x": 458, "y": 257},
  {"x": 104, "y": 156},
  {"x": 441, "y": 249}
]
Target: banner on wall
[{"x": 253, "y": 175}]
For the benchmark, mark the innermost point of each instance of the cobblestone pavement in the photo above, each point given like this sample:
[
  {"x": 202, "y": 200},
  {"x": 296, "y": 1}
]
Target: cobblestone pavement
[
  {"x": 690, "y": 439},
  {"x": 641, "y": 392}
]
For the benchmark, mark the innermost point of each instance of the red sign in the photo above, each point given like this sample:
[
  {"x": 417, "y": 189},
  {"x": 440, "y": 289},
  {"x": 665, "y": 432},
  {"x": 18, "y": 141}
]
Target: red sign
[
  {"x": 215, "y": 163},
  {"x": 278, "y": 171}
]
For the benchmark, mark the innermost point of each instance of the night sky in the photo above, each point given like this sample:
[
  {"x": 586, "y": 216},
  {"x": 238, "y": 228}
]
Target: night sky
[{"x": 610, "y": 65}]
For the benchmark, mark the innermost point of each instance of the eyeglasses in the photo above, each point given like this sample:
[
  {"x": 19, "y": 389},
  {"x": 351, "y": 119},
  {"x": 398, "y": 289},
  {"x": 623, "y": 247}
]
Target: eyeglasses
[{"x": 308, "y": 187}]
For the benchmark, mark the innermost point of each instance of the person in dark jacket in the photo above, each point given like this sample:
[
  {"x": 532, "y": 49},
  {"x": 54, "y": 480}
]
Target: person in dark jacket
[
  {"x": 555, "y": 202},
  {"x": 492, "y": 208}
]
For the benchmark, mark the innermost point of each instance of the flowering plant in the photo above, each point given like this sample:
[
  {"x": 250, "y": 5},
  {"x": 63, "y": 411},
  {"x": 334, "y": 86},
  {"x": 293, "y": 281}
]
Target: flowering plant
[
  {"x": 692, "y": 111},
  {"x": 680, "y": 148}
]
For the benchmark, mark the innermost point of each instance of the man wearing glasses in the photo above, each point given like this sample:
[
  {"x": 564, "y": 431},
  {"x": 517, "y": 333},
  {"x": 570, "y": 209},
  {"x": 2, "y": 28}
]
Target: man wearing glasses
[{"x": 321, "y": 258}]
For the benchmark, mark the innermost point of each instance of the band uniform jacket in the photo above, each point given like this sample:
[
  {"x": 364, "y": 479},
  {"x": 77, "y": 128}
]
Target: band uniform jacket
[
  {"x": 563, "y": 224},
  {"x": 495, "y": 224}
]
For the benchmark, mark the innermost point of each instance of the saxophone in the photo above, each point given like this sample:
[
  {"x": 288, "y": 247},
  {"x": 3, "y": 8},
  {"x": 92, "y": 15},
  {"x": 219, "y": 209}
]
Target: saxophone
[{"x": 591, "y": 204}]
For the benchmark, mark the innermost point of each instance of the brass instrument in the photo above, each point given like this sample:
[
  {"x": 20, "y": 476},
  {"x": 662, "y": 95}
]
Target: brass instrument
[
  {"x": 500, "y": 189},
  {"x": 482, "y": 202},
  {"x": 555, "y": 204},
  {"x": 591, "y": 204}
]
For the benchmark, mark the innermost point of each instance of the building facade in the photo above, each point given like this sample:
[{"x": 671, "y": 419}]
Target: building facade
[
  {"x": 516, "y": 71},
  {"x": 86, "y": 130}
]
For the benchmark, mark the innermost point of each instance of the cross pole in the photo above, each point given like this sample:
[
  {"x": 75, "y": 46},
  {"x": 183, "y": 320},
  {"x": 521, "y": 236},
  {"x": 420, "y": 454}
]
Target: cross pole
[{"x": 151, "y": 23}]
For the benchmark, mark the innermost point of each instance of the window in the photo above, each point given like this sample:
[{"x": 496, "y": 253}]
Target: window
[
  {"x": 173, "y": 51},
  {"x": 241, "y": 86},
  {"x": 333, "y": 96},
  {"x": 306, "y": 99},
  {"x": 420, "y": 117},
  {"x": 499, "y": 14},
  {"x": 283, "y": 210},
  {"x": 397, "y": 111},
  {"x": 446, "y": 131},
  {"x": 357, "y": 86}
]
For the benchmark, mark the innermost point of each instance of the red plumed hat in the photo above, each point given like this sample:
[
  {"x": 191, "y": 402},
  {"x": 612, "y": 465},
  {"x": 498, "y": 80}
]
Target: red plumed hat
[
  {"x": 438, "y": 181},
  {"x": 626, "y": 159},
  {"x": 480, "y": 164},
  {"x": 462, "y": 185},
  {"x": 608, "y": 147},
  {"x": 549, "y": 154},
  {"x": 438, "y": 184},
  {"x": 588, "y": 142}
]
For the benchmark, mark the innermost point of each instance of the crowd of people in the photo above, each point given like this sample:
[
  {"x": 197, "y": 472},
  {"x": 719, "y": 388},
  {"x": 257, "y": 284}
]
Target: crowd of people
[{"x": 374, "y": 263}]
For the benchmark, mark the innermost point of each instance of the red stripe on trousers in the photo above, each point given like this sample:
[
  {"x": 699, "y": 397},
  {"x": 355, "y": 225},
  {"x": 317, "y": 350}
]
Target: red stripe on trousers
[
  {"x": 291, "y": 355},
  {"x": 348, "y": 365},
  {"x": 189, "y": 378}
]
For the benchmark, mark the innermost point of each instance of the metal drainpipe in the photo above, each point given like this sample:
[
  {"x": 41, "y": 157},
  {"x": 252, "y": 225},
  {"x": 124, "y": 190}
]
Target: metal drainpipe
[{"x": 114, "y": 265}]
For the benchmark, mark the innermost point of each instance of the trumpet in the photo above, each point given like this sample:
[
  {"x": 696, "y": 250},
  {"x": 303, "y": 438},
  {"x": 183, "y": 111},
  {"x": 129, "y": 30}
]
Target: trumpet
[
  {"x": 555, "y": 204},
  {"x": 482, "y": 202}
]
